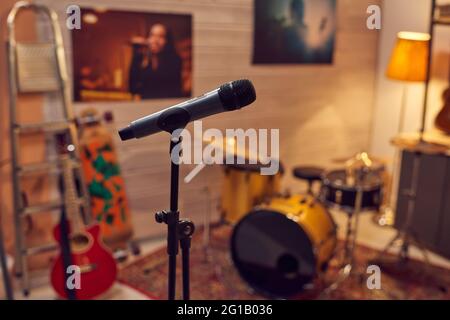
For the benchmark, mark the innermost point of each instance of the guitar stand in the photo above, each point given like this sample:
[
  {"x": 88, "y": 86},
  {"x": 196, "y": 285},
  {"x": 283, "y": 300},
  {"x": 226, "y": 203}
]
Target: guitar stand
[{"x": 179, "y": 232}]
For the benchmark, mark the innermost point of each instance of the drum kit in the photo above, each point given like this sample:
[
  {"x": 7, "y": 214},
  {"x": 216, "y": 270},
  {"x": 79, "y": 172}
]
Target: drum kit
[{"x": 282, "y": 243}]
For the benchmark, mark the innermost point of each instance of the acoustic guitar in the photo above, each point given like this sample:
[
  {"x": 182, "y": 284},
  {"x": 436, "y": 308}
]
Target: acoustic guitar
[
  {"x": 442, "y": 121},
  {"x": 96, "y": 265}
]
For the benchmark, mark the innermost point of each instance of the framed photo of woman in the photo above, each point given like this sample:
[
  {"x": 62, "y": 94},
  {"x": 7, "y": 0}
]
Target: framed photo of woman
[{"x": 122, "y": 55}]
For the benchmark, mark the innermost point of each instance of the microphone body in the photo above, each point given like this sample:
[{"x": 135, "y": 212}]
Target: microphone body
[
  {"x": 229, "y": 97},
  {"x": 197, "y": 108}
]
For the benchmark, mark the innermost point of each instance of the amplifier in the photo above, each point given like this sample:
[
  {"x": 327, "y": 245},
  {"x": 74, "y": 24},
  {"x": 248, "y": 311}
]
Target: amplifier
[{"x": 430, "y": 219}]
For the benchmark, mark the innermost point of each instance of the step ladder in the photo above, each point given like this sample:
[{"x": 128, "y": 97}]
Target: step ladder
[{"x": 39, "y": 67}]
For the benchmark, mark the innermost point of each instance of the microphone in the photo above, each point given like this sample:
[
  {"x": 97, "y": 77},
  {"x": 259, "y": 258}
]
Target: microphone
[{"x": 228, "y": 97}]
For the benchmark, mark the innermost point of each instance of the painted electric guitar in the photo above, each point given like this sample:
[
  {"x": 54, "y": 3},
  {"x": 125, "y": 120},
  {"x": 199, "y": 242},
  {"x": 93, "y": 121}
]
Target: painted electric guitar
[{"x": 96, "y": 264}]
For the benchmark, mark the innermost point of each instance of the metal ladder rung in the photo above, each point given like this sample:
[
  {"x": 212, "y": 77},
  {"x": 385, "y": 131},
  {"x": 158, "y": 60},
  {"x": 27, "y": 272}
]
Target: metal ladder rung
[
  {"x": 50, "y": 206},
  {"x": 40, "y": 249},
  {"x": 43, "y": 127},
  {"x": 49, "y": 166}
]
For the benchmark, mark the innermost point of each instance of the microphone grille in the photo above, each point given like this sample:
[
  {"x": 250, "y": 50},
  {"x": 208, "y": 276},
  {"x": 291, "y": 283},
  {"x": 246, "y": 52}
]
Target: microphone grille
[{"x": 237, "y": 94}]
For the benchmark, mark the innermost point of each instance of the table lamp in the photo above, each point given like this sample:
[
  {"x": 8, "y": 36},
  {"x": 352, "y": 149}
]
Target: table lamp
[{"x": 409, "y": 61}]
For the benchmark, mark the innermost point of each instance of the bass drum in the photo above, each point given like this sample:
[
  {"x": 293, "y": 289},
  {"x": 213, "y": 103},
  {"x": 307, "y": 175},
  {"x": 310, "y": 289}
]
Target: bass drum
[{"x": 280, "y": 247}]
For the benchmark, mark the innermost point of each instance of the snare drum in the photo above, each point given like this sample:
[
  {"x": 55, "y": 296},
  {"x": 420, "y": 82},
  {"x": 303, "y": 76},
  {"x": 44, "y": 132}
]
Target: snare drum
[
  {"x": 280, "y": 247},
  {"x": 338, "y": 192},
  {"x": 244, "y": 187}
]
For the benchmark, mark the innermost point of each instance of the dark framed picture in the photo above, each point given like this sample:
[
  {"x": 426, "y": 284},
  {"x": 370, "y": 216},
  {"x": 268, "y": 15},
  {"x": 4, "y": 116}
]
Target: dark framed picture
[
  {"x": 125, "y": 55},
  {"x": 294, "y": 31}
]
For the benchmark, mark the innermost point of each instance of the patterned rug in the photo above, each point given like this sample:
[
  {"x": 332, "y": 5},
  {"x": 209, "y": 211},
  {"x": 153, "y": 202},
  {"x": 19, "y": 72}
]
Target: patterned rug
[{"x": 213, "y": 276}]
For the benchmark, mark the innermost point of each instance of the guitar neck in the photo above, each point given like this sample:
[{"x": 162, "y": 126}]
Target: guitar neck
[{"x": 71, "y": 201}]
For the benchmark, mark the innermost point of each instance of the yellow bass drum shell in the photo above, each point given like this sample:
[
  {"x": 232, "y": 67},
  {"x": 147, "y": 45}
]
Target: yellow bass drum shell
[{"x": 280, "y": 247}]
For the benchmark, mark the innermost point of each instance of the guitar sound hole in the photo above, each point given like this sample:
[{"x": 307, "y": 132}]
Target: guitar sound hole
[{"x": 79, "y": 242}]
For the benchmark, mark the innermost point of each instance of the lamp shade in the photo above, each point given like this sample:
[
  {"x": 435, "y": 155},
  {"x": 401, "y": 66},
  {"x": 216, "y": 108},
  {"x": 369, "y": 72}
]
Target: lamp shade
[{"x": 409, "y": 59}]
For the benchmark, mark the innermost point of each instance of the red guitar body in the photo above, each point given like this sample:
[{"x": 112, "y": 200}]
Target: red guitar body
[{"x": 98, "y": 267}]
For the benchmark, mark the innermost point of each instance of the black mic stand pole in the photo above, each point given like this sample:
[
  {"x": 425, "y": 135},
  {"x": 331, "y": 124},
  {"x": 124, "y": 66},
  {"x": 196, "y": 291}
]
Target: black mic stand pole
[{"x": 179, "y": 232}]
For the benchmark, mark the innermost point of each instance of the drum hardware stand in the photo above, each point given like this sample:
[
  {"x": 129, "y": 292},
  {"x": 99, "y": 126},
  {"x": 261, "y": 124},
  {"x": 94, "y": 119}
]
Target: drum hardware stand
[
  {"x": 179, "y": 232},
  {"x": 207, "y": 226},
  {"x": 384, "y": 218},
  {"x": 207, "y": 222},
  {"x": 405, "y": 234},
  {"x": 208, "y": 256},
  {"x": 348, "y": 264},
  {"x": 349, "y": 246}
]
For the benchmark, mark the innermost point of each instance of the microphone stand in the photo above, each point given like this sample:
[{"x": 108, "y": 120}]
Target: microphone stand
[
  {"x": 179, "y": 232},
  {"x": 231, "y": 96}
]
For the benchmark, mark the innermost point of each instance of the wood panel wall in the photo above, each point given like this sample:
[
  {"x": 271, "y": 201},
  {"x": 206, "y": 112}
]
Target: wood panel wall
[{"x": 322, "y": 111}]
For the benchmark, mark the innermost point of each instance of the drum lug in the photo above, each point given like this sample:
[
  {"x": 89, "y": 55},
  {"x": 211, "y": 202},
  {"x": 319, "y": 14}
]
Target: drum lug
[
  {"x": 287, "y": 194},
  {"x": 316, "y": 249},
  {"x": 338, "y": 196},
  {"x": 324, "y": 266},
  {"x": 292, "y": 217},
  {"x": 376, "y": 199}
]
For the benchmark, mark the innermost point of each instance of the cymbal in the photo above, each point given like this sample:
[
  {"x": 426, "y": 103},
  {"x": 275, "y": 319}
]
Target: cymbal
[
  {"x": 376, "y": 160},
  {"x": 230, "y": 146}
]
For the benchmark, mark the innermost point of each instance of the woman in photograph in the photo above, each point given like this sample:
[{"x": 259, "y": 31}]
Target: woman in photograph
[{"x": 155, "y": 70}]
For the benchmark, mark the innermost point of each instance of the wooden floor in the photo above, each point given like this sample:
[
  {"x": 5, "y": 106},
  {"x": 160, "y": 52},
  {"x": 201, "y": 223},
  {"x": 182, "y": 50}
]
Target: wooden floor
[{"x": 369, "y": 234}]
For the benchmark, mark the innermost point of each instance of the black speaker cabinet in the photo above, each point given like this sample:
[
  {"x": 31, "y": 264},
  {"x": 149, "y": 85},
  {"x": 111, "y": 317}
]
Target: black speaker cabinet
[{"x": 430, "y": 221}]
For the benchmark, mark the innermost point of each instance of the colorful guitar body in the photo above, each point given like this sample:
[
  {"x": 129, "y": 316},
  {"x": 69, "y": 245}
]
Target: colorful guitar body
[
  {"x": 109, "y": 203},
  {"x": 97, "y": 265}
]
